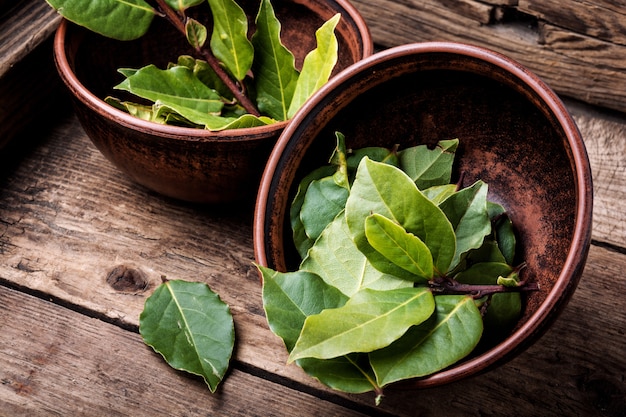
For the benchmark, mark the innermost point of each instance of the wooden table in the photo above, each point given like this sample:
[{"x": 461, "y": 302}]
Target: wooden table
[{"x": 69, "y": 344}]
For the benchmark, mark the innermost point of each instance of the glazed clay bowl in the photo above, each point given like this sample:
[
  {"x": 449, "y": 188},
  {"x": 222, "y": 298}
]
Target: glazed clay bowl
[
  {"x": 515, "y": 134},
  {"x": 185, "y": 163}
]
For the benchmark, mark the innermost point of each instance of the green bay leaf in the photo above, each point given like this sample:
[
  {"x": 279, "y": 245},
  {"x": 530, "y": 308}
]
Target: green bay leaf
[
  {"x": 447, "y": 337},
  {"x": 324, "y": 199},
  {"x": 370, "y": 320},
  {"x": 504, "y": 231},
  {"x": 289, "y": 298},
  {"x": 229, "y": 41},
  {"x": 318, "y": 64},
  {"x": 183, "y": 5},
  {"x": 503, "y": 309},
  {"x": 438, "y": 193},
  {"x": 118, "y": 19},
  {"x": 386, "y": 190},
  {"x": 191, "y": 327},
  {"x": 196, "y": 33},
  {"x": 336, "y": 259},
  {"x": 402, "y": 248},
  {"x": 349, "y": 373},
  {"x": 302, "y": 241},
  {"x": 375, "y": 153},
  {"x": 275, "y": 74},
  {"x": 429, "y": 167},
  {"x": 176, "y": 88},
  {"x": 467, "y": 212}
]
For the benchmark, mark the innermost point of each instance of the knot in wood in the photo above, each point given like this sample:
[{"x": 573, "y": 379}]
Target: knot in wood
[{"x": 126, "y": 279}]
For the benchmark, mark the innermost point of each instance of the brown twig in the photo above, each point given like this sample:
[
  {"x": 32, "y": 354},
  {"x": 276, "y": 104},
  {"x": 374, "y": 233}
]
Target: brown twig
[
  {"x": 178, "y": 22},
  {"x": 451, "y": 286}
]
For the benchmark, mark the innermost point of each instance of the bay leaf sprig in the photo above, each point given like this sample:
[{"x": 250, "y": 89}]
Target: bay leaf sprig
[
  {"x": 402, "y": 271},
  {"x": 235, "y": 79}
]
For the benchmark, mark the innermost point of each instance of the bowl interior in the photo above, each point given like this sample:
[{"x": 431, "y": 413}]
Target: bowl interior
[
  {"x": 299, "y": 21},
  {"x": 514, "y": 135},
  {"x": 186, "y": 163}
]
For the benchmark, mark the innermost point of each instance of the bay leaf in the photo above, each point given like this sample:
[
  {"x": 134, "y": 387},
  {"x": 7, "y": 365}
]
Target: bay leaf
[
  {"x": 429, "y": 167},
  {"x": 182, "y": 5},
  {"x": 177, "y": 88},
  {"x": 378, "y": 154},
  {"x": 488, "y": 252},
  {"x": 503, "y": 230},
  {"x": 467, "y": 212},
  {"x": 339, "y": 159},
  {"x": 191, "y": 327},
  {"x": 386, "y": 190},
  {"x": 349, "y": 373},
  {"x": 401, "y": 247},
  {"x": 118, "y": 19},
  {"x": 196, "y": 33},
  {"x": 275, "y": 74},
  {"x": 370, "y": 320},
  {"x": 229, "y": 41},
  {"x": 448, "y": 336},
  {"x": 337, "y": 260},
  {"x": 301, "y": 240},
  {"x": 438, "y": 193},
  {"x": 506, "y": 239},
  {"x": 141, "y": 111},
  {"x": 324, "y": 199},
  {"x": 318, "y": 64},
  {"x": 289, "y": 298}
]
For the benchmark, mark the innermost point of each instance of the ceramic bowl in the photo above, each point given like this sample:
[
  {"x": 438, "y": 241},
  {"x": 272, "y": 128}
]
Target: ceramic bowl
[
  {"x": 514, "y": 132},
  {"x": 185, "y": 163}
]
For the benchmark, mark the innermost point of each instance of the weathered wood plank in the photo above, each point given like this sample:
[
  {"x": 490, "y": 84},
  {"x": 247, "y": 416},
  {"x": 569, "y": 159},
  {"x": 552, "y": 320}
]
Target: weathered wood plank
[
  {"x": 28, "y": 79},
  {"x": 30, "y": 90},
  {"x": 22, "y": 29},
  {"x": 477, "y": 11},
  {"x": 583, "y": 17},
  {"x": 58, "y": 362},
  {"x": 604, "y": 136},
  {"x": 564, "y": 67},
  {"x": 502, "y": 2},
  {"x": 67, "y": 219}
]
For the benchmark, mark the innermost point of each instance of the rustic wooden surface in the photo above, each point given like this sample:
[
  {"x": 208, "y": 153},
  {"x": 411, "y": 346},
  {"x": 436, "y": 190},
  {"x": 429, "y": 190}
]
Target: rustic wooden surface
[
  {"x": 577, "y": 46},
  {"x": 70, "y": 222},
  {"x": 28, "y": 83},
  {"x": 69, "y": 343}
]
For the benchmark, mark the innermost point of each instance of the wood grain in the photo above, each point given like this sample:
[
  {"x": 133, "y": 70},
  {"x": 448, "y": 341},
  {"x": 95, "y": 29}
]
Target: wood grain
[
  {"x": 604, "y": 139},
  {"x": 574, "y": 64},
  {"x": 601, "y": 20},
  {"x": 23, "y": 27},
  {"x": 58, "y": 362},
  {"x": 68, "y": 219},
  {"x": 29, "y": 85}
]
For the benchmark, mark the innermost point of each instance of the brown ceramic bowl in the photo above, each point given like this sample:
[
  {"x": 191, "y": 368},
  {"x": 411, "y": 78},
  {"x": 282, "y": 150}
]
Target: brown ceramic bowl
[
  {"x": 190, "y": 164},
  {"x": 514, "y": 132}
]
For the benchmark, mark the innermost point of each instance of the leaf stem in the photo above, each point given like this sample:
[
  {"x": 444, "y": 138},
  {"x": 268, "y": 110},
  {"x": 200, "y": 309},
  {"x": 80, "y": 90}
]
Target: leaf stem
[
  {"x": 451, "y": 286},
  {"x": 178, "y": 22}
]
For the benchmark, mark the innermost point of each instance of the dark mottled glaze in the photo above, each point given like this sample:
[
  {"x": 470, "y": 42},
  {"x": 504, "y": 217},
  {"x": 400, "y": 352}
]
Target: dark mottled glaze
[
  {"x": 515, "y": 134},
  {"x": 185, "y": 163}
]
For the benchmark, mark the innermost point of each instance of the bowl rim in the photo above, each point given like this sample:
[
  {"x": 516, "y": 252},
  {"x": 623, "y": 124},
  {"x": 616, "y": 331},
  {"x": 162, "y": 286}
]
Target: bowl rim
[
  {"x": 568, "y": 278},
  {"x": 179, "y": 132}
]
